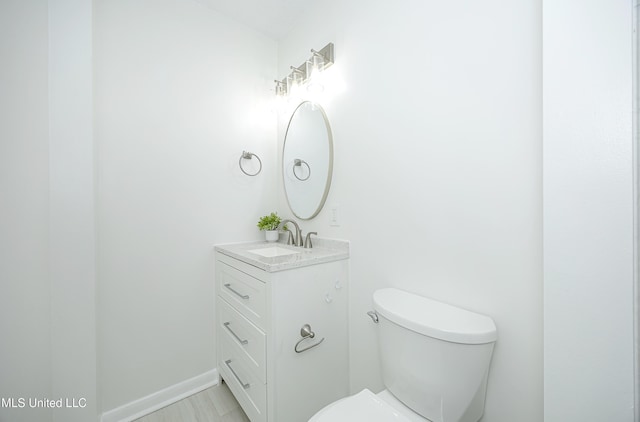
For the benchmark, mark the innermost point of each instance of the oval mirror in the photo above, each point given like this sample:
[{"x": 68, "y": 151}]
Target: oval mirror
[{"x": 307, "y": 160}]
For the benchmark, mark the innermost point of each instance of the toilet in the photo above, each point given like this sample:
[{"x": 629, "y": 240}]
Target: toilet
[{"x": 434, "y": 359}]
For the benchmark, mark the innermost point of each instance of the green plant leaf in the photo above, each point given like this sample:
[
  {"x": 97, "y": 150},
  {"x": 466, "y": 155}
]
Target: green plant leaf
[{"x": 269, "y": 222}]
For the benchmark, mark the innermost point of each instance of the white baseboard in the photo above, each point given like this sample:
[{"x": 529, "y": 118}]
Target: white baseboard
[{"x": 138, "y": 408}]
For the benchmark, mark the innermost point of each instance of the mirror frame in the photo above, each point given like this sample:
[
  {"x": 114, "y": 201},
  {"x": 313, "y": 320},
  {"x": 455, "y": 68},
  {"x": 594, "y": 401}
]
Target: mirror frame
[{"x": 327, "y": 185}]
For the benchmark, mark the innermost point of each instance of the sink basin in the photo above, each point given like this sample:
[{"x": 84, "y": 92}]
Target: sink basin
[{"x": 273, "y": 251}]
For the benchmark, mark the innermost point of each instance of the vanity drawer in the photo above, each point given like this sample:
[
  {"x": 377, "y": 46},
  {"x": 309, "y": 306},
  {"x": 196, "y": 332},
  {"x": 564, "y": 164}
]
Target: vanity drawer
[
  {"x": 247, "y": 387},
  {"x": 240, "y": 331},
  {"x": 245, "y": 293}
]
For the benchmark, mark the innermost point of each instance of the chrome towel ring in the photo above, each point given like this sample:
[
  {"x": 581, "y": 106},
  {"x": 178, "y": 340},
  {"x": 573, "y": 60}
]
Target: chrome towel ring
[
  {"x": 298, "y": 163},
  {"x": 306, "y": 333},
  {"x": 248, "y": 156}
]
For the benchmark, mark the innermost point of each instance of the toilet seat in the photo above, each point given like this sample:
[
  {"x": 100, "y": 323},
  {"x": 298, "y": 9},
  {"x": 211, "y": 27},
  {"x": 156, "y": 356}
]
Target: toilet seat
[{"x": 364, "y": 407}]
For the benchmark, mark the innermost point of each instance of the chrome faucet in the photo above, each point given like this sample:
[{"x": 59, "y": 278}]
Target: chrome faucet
[
  {"x": 307, "y": 241},
  {"x": 298, "y": 239}
]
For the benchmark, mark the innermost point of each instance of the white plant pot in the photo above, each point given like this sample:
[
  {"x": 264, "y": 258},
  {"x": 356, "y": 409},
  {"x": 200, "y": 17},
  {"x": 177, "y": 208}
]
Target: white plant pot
[{"x": 271, "y": 235}]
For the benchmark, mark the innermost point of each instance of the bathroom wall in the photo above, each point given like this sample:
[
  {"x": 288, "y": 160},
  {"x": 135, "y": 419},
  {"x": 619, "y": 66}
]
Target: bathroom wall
[
  {"x": 588, "y": 211},
  {"x": 72, "y": 235},
  {"x": 25, "y": 354},
  {"x": 48, "y": 245},
  {"x": 180, "y": 92},
  {"x": 437, "y": 129}
]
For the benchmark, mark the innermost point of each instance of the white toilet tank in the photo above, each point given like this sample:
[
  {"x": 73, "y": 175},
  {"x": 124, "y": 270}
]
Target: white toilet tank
[{"x": 435, "y": 357}]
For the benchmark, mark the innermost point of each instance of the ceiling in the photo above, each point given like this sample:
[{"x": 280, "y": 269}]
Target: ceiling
[{"x": 274, "y": 18}]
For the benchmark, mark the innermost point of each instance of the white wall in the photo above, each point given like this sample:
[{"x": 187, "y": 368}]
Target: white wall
[
  {"x": 25, "y": 350},
  {"x": 180, "y": 92},
  {"x": 47, "y": 226},
  {"x": 588, "y": 211},
  {"x": 72, "y": 237},
  {"x": 437, "y": 137}
]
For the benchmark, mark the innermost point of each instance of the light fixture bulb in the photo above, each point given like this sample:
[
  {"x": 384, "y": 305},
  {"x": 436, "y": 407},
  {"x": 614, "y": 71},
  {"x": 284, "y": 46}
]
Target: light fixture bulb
[
  {"x": 281, "y": 88},
  {"x": 292, "y": 83},
  {"x": 295, "y": 78},
  {"x": 317, "y": 63}
]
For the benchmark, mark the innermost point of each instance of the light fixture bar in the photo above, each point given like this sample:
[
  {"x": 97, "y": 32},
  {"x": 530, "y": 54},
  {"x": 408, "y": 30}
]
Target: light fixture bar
[
  {"x": 301, "y": 70},
  {"x": 281, "y": 86},
  {"x": 327, "y": 54}
]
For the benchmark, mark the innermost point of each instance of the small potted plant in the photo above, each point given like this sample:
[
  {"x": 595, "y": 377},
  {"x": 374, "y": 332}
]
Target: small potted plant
[{"x": 269, "y": 224}]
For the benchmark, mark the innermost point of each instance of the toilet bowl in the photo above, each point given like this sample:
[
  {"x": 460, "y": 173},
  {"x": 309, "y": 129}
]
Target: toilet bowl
[
  {"x": 435, "y": 362},
  {"x": 369, "y": 407}
]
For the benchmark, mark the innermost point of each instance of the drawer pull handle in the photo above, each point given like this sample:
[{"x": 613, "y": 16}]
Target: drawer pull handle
[
  {"x": 228, "y": 363},
  {"x": 226, "y": 325},
  {"x": 228, "y": 286}
]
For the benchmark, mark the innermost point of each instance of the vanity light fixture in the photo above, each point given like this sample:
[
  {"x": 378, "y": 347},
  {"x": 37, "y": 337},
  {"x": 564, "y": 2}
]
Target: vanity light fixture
[
  {"x": 295, "y": 78},
  {"x": 281, "y": 88},
  {"x": 316, "y": 63},
  {"x": 319, "y": 61}
]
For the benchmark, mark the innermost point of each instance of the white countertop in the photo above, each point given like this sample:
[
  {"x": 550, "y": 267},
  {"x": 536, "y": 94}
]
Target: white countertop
[{"x": 324, "y": 250}]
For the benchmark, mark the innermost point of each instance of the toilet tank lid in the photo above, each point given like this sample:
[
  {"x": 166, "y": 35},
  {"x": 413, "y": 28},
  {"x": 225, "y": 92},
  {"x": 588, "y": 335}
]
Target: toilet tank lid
[{"x": 434, "y": 319}]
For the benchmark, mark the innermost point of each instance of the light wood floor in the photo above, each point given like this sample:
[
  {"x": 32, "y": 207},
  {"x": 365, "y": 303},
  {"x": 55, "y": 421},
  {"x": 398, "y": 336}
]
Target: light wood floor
[{"x": 215, "y": 404}]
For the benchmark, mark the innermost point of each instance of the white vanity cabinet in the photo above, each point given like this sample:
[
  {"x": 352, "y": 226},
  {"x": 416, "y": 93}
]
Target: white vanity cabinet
[{"x": 260, "y": 315}]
